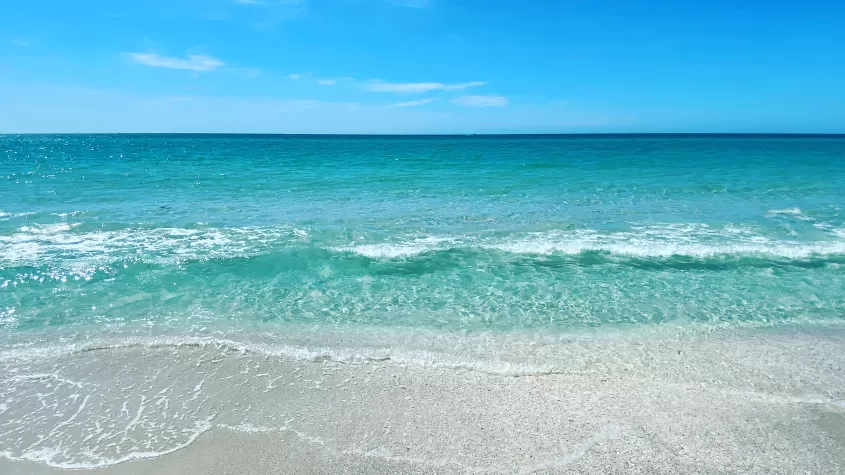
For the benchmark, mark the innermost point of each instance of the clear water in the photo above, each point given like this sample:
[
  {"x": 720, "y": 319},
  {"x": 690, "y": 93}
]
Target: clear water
[
  {"x": 199, "y": 267},
  {"x": 457, "y": 233}
]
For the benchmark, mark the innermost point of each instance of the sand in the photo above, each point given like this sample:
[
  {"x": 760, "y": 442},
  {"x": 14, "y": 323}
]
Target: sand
[{"x": 763, "y": 403}]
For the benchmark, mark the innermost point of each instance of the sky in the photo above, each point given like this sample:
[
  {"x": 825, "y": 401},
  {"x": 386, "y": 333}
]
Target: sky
[{"x": 422, "y": 66}]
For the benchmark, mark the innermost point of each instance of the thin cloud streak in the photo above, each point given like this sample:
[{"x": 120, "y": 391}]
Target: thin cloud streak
[
  {"x": 194, "y": 62},
  {"x": 480, "y": 101},
  {"x": 327, "y": 82},
  {"x": 419, "y": 87},
  {"x": 416, "y": 103},
  {"x": 34, "y": 108}
]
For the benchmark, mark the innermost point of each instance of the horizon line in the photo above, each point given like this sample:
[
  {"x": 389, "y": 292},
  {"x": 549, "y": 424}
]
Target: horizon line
[{"x": 517, "y": 134}]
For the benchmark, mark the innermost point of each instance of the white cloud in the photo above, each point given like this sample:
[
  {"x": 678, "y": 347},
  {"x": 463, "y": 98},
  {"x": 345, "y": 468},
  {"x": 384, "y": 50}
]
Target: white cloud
[
  {"x": 194, "y": 62},
  {"x": 21, "y": 43},
  {"x": 37, "y": 108},
  {"x": 327, "y": 82},
  {"x": 416, "y": 87},
  {"x": 294, "y": 76},
  {"x": 416, "y": 103},
  {"x": 481, "y": 101}
]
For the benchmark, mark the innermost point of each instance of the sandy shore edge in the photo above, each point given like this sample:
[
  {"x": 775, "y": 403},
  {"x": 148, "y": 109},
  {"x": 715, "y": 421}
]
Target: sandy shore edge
[{"x": 768, "y": 403}]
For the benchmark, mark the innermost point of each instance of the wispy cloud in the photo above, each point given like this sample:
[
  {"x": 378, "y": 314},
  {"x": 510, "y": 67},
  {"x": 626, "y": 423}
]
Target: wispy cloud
[
  {"x": 21, "y": 43},
  {"x": 418, "y": 87},
  {"x": 34, "y": 107},
  {"x": 193, "y": 62},
  {"x": 481, "y": 101},
  {"x": 412, "y": 3},
  {"x": 327, "y": 82},
  {"x": 294, "y": 76},
  {"x": 416, "y": 103}
]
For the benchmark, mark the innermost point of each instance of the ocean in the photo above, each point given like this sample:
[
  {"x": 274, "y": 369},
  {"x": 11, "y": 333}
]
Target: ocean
[{"x": 127, "y": 262}]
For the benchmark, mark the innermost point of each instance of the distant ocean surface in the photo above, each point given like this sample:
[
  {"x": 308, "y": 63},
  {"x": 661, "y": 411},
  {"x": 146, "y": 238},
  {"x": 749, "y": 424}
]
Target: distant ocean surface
[{"x": 354, "y": 247}]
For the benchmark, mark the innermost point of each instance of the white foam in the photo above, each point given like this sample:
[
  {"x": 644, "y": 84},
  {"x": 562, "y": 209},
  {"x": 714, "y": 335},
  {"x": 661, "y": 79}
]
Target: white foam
[
  {"x": 70, "y": 213},
  {"x": 64, "y": 247},
  {"x": 794, "y": 212},
  {"x": 403, "y": 345},
  {"x": 63, "y": 459},
  {"x": 397, "y": 249},
  {"x": 54, "y": 243},
  {"x": 790, "y": 211},
  {"x": 623, "y": 244},
  {"x": 7, "y": 315},
  {"x": 5, "y": 215},
  {"x": 661, "y": 241},
  {"x": 45, "y": 229}
]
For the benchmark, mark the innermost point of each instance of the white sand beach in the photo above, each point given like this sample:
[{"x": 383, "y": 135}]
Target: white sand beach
[{"x": 747, "y": 402}]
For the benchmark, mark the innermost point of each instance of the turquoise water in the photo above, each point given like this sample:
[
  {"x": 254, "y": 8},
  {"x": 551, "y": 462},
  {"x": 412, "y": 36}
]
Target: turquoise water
[
  {"x": 183, "y": 233},
  {"x": 359, "y": 292}
]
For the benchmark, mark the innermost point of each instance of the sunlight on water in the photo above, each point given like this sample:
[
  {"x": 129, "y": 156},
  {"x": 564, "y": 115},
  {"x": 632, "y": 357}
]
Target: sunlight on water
[{"x": 192, "y": 260}]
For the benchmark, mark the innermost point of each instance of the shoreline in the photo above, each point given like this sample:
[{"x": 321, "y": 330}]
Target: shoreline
[{"x": 761, "y": 402}]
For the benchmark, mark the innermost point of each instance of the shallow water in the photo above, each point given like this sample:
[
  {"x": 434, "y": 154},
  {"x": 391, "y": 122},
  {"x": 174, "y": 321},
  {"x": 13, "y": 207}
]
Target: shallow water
[{"x": 494, "y": 254}]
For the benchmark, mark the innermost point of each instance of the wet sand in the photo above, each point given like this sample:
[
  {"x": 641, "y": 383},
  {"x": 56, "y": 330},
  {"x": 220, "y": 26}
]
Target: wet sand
[{"x": 764, "y": 404}]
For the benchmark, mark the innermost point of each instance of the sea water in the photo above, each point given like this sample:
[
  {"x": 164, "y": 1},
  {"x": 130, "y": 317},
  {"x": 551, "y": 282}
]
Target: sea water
[{"x": 481, "y": 253}]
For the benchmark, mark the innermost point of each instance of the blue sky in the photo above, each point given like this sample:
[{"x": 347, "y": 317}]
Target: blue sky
[{"x": 421, "y": 66}]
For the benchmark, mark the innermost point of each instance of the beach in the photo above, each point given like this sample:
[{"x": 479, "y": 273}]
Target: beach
[
  {"x": 758, "y": 402},
  {"x": 412, "y": 304}
]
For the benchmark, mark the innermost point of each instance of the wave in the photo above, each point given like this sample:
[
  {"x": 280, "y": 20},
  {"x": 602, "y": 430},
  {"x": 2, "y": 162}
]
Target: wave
[
  {"x": 424, "y": 358},
  {"x": 507, "y": 353},
  {"x": 401, "y": 249},
  {"x": 6, "y": 215},
  {"x": 661, "y": 249},
  {"x": 54, "y": 243},
  {"x": 691, "y": 241},
  {"x": 46, "y": 229},
  {"x": 72, "y": 247},
  {"x": 787, "y": 211},
  {"x": 794, "y": 213}
]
